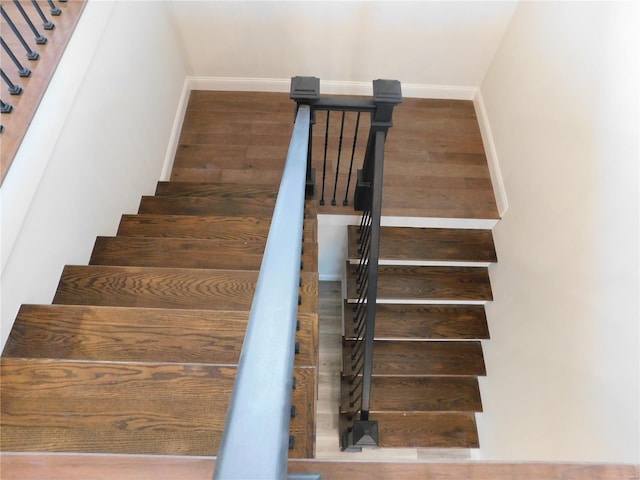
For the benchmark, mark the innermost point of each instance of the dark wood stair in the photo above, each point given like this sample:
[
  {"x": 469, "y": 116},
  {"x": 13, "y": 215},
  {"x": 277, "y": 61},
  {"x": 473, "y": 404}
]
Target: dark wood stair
[
  {"x": 215, "y": 227},
  {"x": 430, "y": 321},
  {"x": 126, "y": 407},
  {"x": 438, "y": 244},
  {"x": 139, "y": 350}
]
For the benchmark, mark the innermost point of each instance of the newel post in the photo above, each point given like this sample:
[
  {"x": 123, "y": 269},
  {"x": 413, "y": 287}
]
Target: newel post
[
  {"x": 306, "y": 91},
  {"x": 386, "y": 95}
]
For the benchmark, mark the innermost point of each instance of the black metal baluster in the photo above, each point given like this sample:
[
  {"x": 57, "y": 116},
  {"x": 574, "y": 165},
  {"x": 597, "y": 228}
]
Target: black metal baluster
[
  {"x": 5, "y": 107},
  {"x": 31, "y": 55},
  {"x": 345, "y": 202},
  {"x": 46, "y": 23},
  {"x": 23, "y": 72},
  {"x": 324, "y": 162},
  {"x": 55, "y": 11},
  {"x": 335, "y": 183},
  {"x": 13, "y": 89},
  {"x": 40, "y": 39}
]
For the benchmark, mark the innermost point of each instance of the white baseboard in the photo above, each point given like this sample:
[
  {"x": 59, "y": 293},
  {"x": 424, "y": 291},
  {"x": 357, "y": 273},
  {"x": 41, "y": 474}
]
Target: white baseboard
[
  {"x": 492, "y": 155},
  {"x": 176, "y": 128},
  {"x": 329, "y": 87}
]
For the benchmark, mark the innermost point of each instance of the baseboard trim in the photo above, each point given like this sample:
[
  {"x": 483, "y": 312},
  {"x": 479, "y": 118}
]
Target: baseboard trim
[
  {"x": 491, "y": 153},
  {"x": 329, "y": 87},
  {"x": 176, "y": 128}
]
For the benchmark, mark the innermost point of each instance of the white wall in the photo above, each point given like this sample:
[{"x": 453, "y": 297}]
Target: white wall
[
  {"x": 98, "y": 143},
  {"x": 434, "y": 43},
  {"x": 564, "y": 358}
]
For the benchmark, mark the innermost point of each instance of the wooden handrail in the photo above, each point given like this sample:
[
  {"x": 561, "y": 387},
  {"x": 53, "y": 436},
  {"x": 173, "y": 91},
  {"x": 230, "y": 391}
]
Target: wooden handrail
[{"x": 25, "y": 105}]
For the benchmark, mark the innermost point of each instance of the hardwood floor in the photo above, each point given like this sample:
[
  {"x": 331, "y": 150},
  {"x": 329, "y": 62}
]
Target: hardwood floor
[{"x": 435, "y": 164}]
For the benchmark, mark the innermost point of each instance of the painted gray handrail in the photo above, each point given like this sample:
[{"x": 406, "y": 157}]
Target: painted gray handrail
[{"x": 256, "y": 434}]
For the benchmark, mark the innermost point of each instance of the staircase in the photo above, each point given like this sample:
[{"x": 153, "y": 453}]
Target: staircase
[
  {"x": 429, "y": 323},
  {"x": 139, "y": 350}
]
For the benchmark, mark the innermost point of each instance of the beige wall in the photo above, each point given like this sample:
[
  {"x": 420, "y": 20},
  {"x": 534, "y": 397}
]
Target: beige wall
[
  {"x": 563, "y": 363},
  {"x": 442, "y": 43},
  {"x": 97, "y": 143}
]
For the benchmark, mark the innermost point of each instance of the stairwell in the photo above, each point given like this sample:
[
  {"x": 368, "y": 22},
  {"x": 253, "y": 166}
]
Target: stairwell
[
  {"x": 139, "y": 350},
  {"x": 429, "y": 323}
]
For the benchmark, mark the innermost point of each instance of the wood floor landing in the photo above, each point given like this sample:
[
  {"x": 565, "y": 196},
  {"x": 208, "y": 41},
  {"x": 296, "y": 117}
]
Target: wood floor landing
[{"x": 435, "y": 165}]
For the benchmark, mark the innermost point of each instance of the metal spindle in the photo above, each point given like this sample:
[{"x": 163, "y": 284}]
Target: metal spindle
[
  {"x": 22, "y": 71},
  {"x": 13, "y": 88},
  {"x": 46, "y": 23},
  {"x": 40, "y": 39},
  {"x": 5, "y": 107},
  {"x": 324, "y": 162},
  {"x": 55, "y": 11},
  {"x": 31, "y": 55},
  {"x": 345, "y": 202},
  {"x": 366, "y": 221},
  {"x": 362, "y": 222},
  {"x": 335, "y": 183},
  {"x": 355, "y": 383}
]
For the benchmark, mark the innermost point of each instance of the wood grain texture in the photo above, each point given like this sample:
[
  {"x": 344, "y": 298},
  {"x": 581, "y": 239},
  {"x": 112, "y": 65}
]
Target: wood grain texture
[
  {"x": 427, "y": 429},
  {"x": 432, "y": 283},
  {"x": 188, "y": 253},
  {"x": 437, "y": 244},
  {"x": 75, "y": 332},
  {"x": 415, "y": 322},
  {"x": 215, "y": 227},
  {"x": 154, "y": 287},
  {"x": 435, "y": 165},
  {"x": 137, "y": 467},
  {"x": 215, "y": 190},
  {"x": 229, "y": 206},
  {"x": 139, "y": 408},
  {"x": 419, "y": 394},
  {"x": 407, "y": 358}
]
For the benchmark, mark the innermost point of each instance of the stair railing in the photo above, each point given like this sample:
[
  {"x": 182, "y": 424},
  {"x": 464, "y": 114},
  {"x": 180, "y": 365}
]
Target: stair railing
[
  {"x": 255, "y": 441},
  {"x": 361, "y": 430},
  {"x": 26, "y": 50}
]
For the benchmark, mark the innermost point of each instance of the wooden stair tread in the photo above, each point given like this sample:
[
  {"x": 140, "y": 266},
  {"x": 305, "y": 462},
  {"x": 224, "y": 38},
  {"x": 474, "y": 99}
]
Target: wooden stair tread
[
  {"x": 397, "y": 321},
  {"x": 77, "y": 332},
  {"x": 234, "y": 228},
  {"x": 137, "y": 408},
  {"x": 408, "y": 358},
  {"x": 187, "y": 253},
  {"x": 427, "y": 282},
  {"x": 225, "y": 205},
  {"x": 256, "y": 207},
  {"x": 156, "y": 287},
  {"x": 216, "y": 190},
  {"x": 416, "y": 394},
  {"x": 427, "y": 430},
  {"x": 430, "y": 244}
]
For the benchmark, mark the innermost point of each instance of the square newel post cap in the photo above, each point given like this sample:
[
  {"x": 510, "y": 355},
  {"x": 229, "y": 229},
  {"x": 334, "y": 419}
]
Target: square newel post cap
[
  {"x": 305, "y": 89},
  {"x": 387, "y": 91}
]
